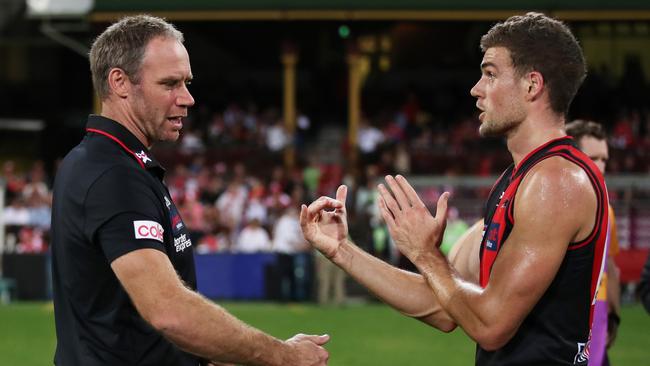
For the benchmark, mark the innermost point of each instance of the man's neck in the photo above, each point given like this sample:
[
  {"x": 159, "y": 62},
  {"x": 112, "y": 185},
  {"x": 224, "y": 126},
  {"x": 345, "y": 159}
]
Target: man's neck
[
  {"x": 533, "y": 133},
  {"x": 121, "y": 116}
]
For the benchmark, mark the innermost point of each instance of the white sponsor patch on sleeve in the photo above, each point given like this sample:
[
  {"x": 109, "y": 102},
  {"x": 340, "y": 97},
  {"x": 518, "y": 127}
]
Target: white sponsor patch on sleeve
[{"x": 146, "y": 229}]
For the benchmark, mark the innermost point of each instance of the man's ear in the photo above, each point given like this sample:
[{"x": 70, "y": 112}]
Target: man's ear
[
  {"x": 535, "y": 85},
  {"x": 118, "y": 82}
]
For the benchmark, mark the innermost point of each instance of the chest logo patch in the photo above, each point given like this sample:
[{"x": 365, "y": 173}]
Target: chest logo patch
[
  {"x": 143, "y": 156},
  {"x": 492, "y": 242},
  {"x": 146, "y": 229}
]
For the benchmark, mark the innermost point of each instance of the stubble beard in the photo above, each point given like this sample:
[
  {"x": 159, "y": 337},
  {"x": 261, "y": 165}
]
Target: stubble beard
[{"x": 494, "y": 128}]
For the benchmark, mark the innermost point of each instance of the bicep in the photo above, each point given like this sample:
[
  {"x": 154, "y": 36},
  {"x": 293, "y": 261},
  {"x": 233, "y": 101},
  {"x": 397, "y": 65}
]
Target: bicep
[
  {"x": 149, "y": 279},
  {"x": 550, "y": 211}
]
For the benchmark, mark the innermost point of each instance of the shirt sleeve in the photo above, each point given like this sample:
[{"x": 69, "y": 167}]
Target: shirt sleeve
[{"x": 123, "y": 213}]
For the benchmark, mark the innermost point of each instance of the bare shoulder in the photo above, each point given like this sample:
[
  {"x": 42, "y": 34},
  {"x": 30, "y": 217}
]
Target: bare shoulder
[
  {"x": 559, "y": 192},
  {"x": 558, "y": 181}
]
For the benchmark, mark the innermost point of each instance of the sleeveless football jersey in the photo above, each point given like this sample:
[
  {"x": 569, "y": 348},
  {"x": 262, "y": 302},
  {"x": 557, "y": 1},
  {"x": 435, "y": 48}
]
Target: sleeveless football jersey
[{"x": 557, "y": 330}]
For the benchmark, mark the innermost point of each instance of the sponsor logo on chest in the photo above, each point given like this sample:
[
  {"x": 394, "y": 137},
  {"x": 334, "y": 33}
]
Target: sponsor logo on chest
[{"x": 493, "y": 237}]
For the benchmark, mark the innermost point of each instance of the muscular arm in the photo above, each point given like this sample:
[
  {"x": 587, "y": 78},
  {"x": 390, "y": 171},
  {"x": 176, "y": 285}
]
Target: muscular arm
[
  {"x": 406, "y": 291},
  {"x": 187, "y": 319},
  {"x": 528, "y": 260}
]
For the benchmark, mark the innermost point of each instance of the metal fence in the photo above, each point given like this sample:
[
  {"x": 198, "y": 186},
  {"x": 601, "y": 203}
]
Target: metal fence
[{"x": 629, "y": 196}]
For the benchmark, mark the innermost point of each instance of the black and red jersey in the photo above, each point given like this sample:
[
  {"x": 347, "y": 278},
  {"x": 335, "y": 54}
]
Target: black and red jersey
[{"x": 557, "y": 330}]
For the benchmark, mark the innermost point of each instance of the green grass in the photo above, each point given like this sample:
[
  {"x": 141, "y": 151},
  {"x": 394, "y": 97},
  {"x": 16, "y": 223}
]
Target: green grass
[{"x": 361, "y": 334}]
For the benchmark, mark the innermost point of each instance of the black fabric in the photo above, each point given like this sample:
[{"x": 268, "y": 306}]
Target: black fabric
[
  {"x": 106, "y": 187},
  {"x": 556, "y": 331}
]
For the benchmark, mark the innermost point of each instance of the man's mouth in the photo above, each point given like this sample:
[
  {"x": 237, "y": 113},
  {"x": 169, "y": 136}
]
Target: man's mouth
[{"x": 177, "y": 121}]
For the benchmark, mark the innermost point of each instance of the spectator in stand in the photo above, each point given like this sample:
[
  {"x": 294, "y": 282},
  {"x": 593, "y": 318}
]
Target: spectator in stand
[
  {"x": 14, "y": 182},
  {"x": 17, "y": 213},
  {"x": 368, "y": 140},
  {"x": 210, "y": 194},
  {"x": 277, "y": 201},
  {"x": 215, "y": 238},
  {"x": 253, "y": 238},
  {"x": 193, "y": 214},
  {"x": 36, "y": 182},
  {"x": 311, "y": 176},
  {"x": 255, "y": 209},
  {"x": 192, "y": 142},
  {"x": 231, "y": 206},
  {"x": 295, "y": 256},
  {"x": 276, "y": 137}
]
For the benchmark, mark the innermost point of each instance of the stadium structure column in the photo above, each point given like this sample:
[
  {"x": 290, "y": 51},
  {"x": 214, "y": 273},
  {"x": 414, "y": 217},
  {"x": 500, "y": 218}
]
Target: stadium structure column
[
  {"x": 354, "y": 103},
  {"x": 289, "y": 61}
]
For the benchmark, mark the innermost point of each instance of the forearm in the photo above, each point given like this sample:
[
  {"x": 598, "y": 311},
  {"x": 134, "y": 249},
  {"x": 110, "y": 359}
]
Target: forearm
[
  {"x": 405, "y": 291},
  {"x": 205, "y": 329},
  {"x": 461, "y": 300}
]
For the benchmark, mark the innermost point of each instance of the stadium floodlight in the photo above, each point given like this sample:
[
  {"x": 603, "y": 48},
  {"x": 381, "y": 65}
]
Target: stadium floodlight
[{"x": 63, "y": 8}]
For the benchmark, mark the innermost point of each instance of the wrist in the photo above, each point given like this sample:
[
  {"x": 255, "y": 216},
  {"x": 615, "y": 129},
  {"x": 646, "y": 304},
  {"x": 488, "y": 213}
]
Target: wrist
[
  {"x": 342, "y": 254},
  {"x": 285, "y": 354},
  {"x": 427, "y": 257}
]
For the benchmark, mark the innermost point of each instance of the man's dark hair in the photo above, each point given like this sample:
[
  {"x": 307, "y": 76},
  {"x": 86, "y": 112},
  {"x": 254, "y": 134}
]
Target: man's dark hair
[
  {"x": 539, "y": 43},
  {"x": 581, "y": 128},
  {"x": 122, "y": 45}
]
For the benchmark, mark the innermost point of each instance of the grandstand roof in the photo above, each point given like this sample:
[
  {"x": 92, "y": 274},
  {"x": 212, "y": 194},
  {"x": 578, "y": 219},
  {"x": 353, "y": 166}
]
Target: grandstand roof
[{"x": 283, "y": 10}]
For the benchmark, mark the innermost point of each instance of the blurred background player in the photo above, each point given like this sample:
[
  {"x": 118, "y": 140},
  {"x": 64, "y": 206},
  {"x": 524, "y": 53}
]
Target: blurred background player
[{"x": 592, "y": 140}]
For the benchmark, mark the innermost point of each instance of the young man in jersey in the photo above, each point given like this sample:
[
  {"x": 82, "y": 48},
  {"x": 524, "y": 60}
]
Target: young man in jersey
[
  {"x": 592, "y": 140},
  {"x": 122, "y": 261},
  {"x": 525, "y": 293}
]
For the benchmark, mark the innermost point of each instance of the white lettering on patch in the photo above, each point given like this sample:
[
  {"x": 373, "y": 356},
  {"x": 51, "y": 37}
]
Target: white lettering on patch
[
  {"x": 182, "y": 242},
  {"x": 146, "y": 229}
]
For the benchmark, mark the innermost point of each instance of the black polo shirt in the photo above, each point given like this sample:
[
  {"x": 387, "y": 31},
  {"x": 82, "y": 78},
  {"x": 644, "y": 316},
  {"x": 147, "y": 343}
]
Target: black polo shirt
[{"x": 109, "y": 200}]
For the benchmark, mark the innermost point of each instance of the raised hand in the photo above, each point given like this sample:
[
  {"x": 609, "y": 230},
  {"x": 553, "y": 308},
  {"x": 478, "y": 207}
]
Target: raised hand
[
  {"x": 324, "y": 223},
  {"x": 308, "y": 350},
  {"x": 412, "y": 227}
]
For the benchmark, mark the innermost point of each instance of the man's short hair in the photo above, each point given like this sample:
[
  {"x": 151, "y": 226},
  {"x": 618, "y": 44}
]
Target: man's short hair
[
  {"x": 122, "y": 45},
  {"x": 546, "y": 45},
  {"x": 581, "y": 128}
]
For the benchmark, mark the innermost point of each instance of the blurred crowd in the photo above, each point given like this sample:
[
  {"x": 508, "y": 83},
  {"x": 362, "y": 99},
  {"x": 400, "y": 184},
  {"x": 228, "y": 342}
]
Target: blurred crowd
[
  {"x": 227, "y": 176},
  {"x": 227, "y": 172}
]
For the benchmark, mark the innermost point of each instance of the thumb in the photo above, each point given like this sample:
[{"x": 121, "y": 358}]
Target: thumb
[
  {"x": 441, "y": 209},
  {"x": 303, "y": 215},
  {"x": 318, "y": 339}
]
